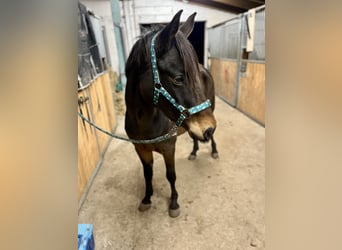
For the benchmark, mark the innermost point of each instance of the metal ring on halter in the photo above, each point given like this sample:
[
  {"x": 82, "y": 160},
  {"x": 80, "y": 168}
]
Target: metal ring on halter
[
  {"x": 158, "y": 85},
  {"x": 186, "y": 113}
]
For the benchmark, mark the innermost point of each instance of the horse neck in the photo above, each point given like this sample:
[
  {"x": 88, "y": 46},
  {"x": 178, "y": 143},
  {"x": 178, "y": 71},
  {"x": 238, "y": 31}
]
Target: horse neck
[{"x": 144, "y": 110}]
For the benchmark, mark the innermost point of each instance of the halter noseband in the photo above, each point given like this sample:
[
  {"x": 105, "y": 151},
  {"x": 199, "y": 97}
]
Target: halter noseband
[{"x": 159, "y": 89}]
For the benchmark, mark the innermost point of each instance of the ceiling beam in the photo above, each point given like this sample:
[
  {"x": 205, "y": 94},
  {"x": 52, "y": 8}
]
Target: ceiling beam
[
  {"x": 220, "y": 6},
  {"x": 238, "y": 3},
  {"x": 236, "y": 6}
]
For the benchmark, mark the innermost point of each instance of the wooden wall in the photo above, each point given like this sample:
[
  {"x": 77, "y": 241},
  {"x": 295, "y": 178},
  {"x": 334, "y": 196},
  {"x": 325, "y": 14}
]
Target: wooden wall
[
  {"x": 224, "y": 74},
  {"x": 91, "y": 143},
  {"x": 250, "y": 97}
]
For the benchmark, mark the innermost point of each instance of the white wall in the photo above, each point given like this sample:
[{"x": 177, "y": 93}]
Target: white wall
[
  {"x": 103, "y": 10},
  {"x": 135, "y": 12}
]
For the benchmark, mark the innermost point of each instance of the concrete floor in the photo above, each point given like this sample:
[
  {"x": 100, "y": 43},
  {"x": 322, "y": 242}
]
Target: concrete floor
[{"x": 222, "y": 201}]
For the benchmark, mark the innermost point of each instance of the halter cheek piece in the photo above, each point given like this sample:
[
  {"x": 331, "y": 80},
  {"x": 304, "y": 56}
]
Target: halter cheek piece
[{"x": 159, "y": 89}]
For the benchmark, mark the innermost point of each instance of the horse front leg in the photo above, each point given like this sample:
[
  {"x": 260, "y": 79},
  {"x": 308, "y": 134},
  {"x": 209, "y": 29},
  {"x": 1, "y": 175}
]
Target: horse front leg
[
  {"x": 169, "y": 159},
  {"x": 146, "y": 158},
  {"x": 192, "y": 155}
]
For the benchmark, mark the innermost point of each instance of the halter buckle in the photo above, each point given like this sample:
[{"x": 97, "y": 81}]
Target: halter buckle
[{"x": 186, "y": 113}]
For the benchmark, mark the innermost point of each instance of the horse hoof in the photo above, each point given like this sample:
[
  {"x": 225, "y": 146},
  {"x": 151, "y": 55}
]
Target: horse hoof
[
  {"x": 215, "y": 155},
  {"x": 174, "y": 212},
  {"x": 143, "y": 207},
  {"x": 191, "y": 157}
]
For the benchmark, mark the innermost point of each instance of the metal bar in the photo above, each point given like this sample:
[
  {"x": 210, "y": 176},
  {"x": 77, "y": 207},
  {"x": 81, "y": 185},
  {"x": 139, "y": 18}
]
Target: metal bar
[
  {"x": 223, "y": 58},
  {"x": 219, "y": 5},
  {"x": 115, "y": 6},
  {"x": 262, "y": 7},
  {"x": 237, "y": 81},
  {"x": 93, "y": 80},
  {"x": 253, "y": 61},
  {"x": 228, "y": 22},
  {"x": 105, "y": 41}
]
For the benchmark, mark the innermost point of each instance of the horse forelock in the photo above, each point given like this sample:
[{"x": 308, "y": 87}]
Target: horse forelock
[{"x": 189, "y": 58}]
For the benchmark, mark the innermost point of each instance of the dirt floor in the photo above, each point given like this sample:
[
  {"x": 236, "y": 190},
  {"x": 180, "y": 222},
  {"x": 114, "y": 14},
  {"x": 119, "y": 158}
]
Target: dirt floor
[{"x": 222, "y": 201}]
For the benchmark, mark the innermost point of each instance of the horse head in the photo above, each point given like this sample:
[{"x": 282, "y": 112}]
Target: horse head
[{"x": 179, "y": 74}]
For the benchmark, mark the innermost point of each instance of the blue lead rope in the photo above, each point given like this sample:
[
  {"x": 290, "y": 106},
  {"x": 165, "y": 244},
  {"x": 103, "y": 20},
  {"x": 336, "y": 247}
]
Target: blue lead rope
[
  {"x": 171, "y": 133},
  {"x": 159, "y": 89}
]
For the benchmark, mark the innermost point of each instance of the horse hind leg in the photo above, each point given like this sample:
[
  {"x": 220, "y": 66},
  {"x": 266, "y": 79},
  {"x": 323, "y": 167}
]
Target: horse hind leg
[
  {"x": 146, "y": 158},
  {"x": 192, "y": 155},
  {"x": 214, "y": 152}
]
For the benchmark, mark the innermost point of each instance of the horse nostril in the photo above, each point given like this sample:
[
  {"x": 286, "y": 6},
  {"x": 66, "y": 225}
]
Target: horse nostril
[{"x": 208, "y": 134}]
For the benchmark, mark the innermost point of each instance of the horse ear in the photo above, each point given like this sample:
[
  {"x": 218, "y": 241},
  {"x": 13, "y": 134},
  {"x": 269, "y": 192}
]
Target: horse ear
[
  {"x": 188, "y": 26},
  {"x": 167, "y": 35}
]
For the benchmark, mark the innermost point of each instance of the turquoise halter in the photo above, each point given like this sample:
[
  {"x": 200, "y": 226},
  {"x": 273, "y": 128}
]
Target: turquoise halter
[{"x": 159, "y": 89}]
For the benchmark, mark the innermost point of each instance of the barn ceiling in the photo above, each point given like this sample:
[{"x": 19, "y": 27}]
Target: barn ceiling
[{"x": 236, "y": 6}]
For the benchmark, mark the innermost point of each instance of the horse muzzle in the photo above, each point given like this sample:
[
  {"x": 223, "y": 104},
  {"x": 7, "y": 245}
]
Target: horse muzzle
[{"x": 201, "y": 127}]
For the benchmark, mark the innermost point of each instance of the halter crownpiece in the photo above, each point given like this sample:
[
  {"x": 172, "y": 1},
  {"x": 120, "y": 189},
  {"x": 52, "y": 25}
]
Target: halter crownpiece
[{"x": 159, "y": 89}]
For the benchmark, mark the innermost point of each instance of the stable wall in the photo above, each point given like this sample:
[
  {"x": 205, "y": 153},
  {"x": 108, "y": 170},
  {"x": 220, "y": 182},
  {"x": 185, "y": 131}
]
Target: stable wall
[
  {"x": 224, "y": 75},
  {"x": 237, "y": 67},
  {"x": 95, "y": 102},
  {"x": 251, "y": 92},
  {"x": 245, "y": 91}
]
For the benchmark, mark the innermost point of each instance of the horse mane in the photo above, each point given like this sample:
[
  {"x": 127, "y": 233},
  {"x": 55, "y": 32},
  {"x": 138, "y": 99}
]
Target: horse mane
[{"x": 139, "y": 58}]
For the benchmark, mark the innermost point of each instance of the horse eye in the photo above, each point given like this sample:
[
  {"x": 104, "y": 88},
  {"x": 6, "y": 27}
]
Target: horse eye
[{"x": 178, "y": 80}]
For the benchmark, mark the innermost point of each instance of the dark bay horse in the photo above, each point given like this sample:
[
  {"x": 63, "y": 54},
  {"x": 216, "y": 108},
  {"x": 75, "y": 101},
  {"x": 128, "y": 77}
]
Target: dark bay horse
[{"x": 164, "y": 88}]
